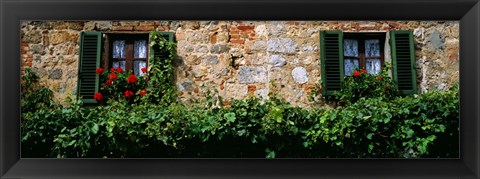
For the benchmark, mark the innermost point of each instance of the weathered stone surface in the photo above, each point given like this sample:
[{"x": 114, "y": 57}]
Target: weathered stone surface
[
  {"x": 191, "y": 25},
  {"x": 276, "y": 28},
  {"x": 252, "y": 74},
  {"x": 259, "y": 46},
  {"x": 32, "y": 37},
  {"x": 59, "y": 37},
  {"x": 211, "y": 60},
  {"x": 37, "y": 48},
  {"x": 419, "y": 32},
  {"x": 103, "y": 25},
  {"x": 276, "y": 60},
  {"x": 282, "y": 45},
  {"x": 55, "y": 74},
  {"x": 300, "y": 75},
  {"x": 89, "y": 26},
  {"x": 219, "y": 48},
  {"x": 436, "y": 40},
  {"x": 185, "y": 86},
  {"x": 239, "y": 58},
  {"x": 37, "y": 58},
  {"x": 308, "y": 48},
  {"x": 201, "y": 49}
]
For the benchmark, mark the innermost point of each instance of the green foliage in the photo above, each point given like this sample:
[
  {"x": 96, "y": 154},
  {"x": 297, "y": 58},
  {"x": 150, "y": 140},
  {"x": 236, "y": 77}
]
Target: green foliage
[
  {"x": 371, "y": 120},
  {"x": 161, "y": 87},
  {"x": 33, "y": 95},
  {"x": 415, "y": 126},
  {"x": 366, "y": 86}
]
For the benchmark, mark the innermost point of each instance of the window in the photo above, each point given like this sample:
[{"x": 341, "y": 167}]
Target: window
[
  {"x": 341, "y": 53},
  {"x": 363, "y": 51},
  {"x": 127, "y": 51}
]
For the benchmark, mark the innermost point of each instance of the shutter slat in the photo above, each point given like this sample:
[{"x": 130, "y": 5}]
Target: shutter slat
[
  {"x": 90, "y": 53},
  {"x": 332, "y": 60},
  {"x": 403, "y": 61}
]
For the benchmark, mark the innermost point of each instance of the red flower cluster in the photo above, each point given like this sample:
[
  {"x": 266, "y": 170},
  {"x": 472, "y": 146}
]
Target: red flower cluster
[
  {"x": 112, "y": 76},
  {"x": 143, "y": 92},
  {"x": 132, "y": 78},
  {"x": 98, "y": 96},
  {"x": 379, "y": 78},
  {"x": 144, "y": 70},
  {"x": 118, "y": 70},
  {"x": 128, "y": 94},
  {"x": 99, "y": 71},
  {"x": 356, "y": 73}
]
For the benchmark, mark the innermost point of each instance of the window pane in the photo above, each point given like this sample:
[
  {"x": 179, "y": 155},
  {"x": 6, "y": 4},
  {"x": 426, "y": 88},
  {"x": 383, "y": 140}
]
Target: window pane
[
  {"x": 372, "y": 48},
  {"x": 120, "y": 64},
  {"x": 350, "y": 66},
  {"x": 373, "y": 66},
  {"x": 118, "y": 49},
  {"x": 140, "y": 50},
  {"x": 137, "y": 67},
  {"x": 350, "y": 47}
]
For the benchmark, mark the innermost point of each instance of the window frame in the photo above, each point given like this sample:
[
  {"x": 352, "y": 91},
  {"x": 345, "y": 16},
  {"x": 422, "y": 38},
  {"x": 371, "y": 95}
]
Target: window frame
[
  {"x": 129, "y": 38},
  {"x": 361, "y": 37}
]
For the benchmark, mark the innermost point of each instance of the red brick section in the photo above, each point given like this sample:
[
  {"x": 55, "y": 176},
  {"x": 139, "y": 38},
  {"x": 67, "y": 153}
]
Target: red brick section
[
  {"x": 27, "y": 58},
  {"x": 251, "y": 89},
  {"x": 241, "y": 33}
]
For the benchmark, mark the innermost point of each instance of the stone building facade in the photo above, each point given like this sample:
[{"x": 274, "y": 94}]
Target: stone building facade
[{"x": 239, "y": 58}]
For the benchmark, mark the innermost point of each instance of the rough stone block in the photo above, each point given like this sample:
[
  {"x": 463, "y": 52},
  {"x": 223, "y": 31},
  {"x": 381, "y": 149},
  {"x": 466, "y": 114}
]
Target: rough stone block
[
  {"x": 282, "y": 45},
  {"x": 55, "y": 74},
  {"x": 219, "y": 48},
  {"x": 300, "y": 75},
  {"x": 251, "y": 74},
  {"x": 277, "y": 61}
]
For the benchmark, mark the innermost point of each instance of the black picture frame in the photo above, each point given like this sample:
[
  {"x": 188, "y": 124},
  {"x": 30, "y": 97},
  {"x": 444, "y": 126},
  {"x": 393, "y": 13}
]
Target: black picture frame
[{"x": 12, "y": 12}]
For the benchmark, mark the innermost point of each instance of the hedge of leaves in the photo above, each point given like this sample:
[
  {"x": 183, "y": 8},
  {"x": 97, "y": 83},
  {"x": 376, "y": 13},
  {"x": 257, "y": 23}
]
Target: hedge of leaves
[
  {"x": 414, "y": 126},
  {"x": 370, "y": 120}
]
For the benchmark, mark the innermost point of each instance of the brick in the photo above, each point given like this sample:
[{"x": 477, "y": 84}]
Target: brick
[
  {"x": 251, "y": 89},
  {"x": 122, "y": 28},
  {"x": 144, "y": 28},
  {"x": 213, "y": 39},
  {"x": 238, "y": 41},
  {"x": 234, "y": 37},
  {"x": 243, "y": 27},
  {"x": 293, "y": 23}
]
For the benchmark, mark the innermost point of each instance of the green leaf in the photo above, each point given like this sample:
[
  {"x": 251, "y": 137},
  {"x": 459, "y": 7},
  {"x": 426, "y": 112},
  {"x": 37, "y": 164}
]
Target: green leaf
[
  {"x": 94, "y": 128},
  {"x": 369, "y": 136}
]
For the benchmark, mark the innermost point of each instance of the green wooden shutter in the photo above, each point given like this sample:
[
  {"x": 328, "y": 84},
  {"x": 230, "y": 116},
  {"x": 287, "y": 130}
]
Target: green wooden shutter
[
  {"x": 157, "y": 53},
  {"x": 331, "y": 52},
  {"x": 89, "y": 61},
  {"x": 403, "y": 61}
]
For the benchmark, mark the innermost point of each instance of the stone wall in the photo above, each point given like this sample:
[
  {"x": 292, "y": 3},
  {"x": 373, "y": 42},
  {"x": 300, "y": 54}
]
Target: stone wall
[{"x": 239, "y": 58}]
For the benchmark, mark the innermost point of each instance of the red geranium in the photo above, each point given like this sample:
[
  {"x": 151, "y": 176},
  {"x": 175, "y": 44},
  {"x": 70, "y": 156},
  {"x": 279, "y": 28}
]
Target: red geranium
[
  {"x": 112, "y": 76},
  {"x": 119, "y": 70},
  {"x": 99, "y": 71},
  {"x": 143, "y": 92},
  {"x": 132, "y": 78},
  {"x": 112, "y": 69},
  {"x": 379, "y": 78},
  {"x": 364, "y": 71},
  {"x": 98, "y": 96},
  {"x": 356, "y": 73},
  {"x": 144, "y": 70},
  {"x": 128, "y": 94},
  {"x": 109, "y": 82}
]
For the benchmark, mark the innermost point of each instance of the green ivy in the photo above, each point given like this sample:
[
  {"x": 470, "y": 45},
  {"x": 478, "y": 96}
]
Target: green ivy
[{"x": 370, "y": 121}]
